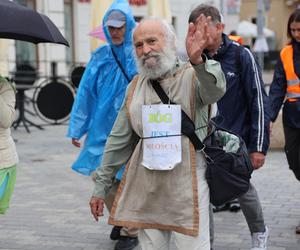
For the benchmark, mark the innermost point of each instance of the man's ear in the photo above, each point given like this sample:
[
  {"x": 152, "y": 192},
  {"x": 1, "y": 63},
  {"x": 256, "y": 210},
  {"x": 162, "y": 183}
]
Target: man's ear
[{"x": 220, "y": 27}]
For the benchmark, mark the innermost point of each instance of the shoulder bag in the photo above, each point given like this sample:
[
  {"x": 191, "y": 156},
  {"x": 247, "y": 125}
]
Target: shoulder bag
[{"x": 229, "y": 167}]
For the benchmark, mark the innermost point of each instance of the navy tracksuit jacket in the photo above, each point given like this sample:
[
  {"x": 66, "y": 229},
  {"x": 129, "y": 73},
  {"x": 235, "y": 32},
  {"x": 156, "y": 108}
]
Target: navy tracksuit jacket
[{"x": 244, "y": 108}]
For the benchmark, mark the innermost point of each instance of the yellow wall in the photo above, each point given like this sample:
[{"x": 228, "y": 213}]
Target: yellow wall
[
  {"x": 276, "y": 20},
  {"x": 276, "y": 17}
]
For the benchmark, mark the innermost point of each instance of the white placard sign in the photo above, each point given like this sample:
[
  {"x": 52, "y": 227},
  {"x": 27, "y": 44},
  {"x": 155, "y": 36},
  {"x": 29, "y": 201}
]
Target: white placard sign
[{"x": 162, "y": 136}]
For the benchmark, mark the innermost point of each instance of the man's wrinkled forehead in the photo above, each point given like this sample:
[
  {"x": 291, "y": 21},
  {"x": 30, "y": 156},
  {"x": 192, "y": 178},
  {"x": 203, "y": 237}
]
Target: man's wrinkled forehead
[{"x": 149, "y": 28}]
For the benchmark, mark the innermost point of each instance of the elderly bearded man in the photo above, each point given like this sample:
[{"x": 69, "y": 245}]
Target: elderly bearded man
[{"x": 159, "y": 191}]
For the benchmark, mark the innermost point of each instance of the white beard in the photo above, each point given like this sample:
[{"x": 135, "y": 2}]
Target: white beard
[{"x": 156, "y": 64}]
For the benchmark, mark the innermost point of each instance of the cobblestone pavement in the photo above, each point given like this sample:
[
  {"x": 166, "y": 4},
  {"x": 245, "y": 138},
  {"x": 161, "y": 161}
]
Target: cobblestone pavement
[{"x": 49, "y": 209}]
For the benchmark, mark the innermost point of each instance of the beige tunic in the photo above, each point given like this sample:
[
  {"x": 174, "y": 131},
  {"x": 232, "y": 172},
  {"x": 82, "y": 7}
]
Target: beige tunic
[{"x": 165, "y": 200}]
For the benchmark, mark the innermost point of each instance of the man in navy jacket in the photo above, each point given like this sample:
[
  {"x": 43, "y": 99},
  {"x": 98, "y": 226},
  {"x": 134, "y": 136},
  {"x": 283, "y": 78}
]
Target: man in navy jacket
[{"x": 244, "y": 109}]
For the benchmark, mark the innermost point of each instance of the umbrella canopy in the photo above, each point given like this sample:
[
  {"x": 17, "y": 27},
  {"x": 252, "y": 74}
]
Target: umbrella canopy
[
  {"x": 21, "y": 23},
  {"x": 248, "y": 29},
  {"x": 98, "y": 33},
  {"x": 138, "y": 2}
]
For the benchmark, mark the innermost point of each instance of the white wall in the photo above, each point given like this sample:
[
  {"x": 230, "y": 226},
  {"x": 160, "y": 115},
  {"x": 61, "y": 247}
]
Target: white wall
[
  {"x": 52, "y": 52},
  {"x": 81, "y": 29}
]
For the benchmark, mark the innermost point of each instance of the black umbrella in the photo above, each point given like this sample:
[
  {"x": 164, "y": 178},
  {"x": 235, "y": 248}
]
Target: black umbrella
[{"x": 21, "y": 23}]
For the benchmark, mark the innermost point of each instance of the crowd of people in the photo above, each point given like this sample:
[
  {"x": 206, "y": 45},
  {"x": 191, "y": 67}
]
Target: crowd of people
[
  {"x": 220, "y": 70},
  {"x": 137, "y": 174}
]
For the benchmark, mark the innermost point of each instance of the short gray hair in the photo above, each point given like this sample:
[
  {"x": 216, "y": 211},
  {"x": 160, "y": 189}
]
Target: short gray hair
[{"x": 206, "y": 10}]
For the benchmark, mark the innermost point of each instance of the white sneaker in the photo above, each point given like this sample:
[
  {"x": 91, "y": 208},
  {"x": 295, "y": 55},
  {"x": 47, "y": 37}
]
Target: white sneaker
[{"x": 259, "y": 240}]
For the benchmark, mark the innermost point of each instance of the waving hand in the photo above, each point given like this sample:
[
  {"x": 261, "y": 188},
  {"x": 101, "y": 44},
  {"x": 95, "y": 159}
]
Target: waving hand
[{"x": 198, "y": 38}]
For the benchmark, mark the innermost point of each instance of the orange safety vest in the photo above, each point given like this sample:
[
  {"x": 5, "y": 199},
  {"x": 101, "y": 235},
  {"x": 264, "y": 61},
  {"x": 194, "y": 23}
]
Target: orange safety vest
[
  {"x": 293, "y": 82},
  {"x": 237, "y": 39}
]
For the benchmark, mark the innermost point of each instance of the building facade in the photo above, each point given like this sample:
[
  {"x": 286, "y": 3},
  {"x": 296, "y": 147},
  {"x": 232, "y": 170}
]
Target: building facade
[
  {"x": 73, "y": 18},
  {"x": 276, "y": 16}
]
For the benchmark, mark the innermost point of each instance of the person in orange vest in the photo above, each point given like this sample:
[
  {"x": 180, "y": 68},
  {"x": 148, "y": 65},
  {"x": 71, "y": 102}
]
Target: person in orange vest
[
  {"x": 285, "y": 88},
  {"x": 233, "y": 36}
]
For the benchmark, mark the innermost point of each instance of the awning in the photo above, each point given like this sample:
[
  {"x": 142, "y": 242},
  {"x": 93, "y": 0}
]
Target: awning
[{"x": 138, "y": 2}]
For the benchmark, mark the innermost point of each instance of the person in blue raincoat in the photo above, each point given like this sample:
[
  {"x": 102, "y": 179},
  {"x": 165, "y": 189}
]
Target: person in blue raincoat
[{"x": 100, "y": 96}]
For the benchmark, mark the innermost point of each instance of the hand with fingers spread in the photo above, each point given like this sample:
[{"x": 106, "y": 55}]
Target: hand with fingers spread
[
  {"x": 198, "y": 38},
  {"x": 97, "y": 206}
]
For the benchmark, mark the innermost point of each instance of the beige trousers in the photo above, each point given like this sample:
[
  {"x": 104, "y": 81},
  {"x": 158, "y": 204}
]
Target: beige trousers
[
  {"x": 153, "y": 239},
  {"x": 109, "y": 200}
]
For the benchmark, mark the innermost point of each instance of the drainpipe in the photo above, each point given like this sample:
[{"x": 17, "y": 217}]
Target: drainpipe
[
  {"x": 260, "y": 27},
  {"x": 222, "y": 7}
]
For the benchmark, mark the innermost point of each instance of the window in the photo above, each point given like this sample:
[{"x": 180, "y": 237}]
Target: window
[
  {"x": 68, "y": 19},
  {"x": 26, "y": 53}
]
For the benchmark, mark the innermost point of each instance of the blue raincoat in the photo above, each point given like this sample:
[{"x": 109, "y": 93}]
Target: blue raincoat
[{"x": 101, "y": 93}]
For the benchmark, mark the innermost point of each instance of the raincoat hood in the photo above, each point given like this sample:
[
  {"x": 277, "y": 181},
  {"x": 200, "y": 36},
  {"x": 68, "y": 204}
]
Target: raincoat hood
[
  {"x": 101, "y": 93},
  {"x": 122, "y": 6}
]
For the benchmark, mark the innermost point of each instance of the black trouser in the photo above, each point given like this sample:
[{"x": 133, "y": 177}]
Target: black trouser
[{"x": 292, "y": 149}]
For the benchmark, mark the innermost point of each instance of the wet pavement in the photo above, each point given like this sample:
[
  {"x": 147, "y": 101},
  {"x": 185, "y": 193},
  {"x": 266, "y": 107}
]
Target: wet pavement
[{"x": 49, "y": 209}]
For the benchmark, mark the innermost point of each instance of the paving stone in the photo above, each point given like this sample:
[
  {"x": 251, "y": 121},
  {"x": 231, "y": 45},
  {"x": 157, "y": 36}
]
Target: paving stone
[{"x": 49, "y": 209}]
